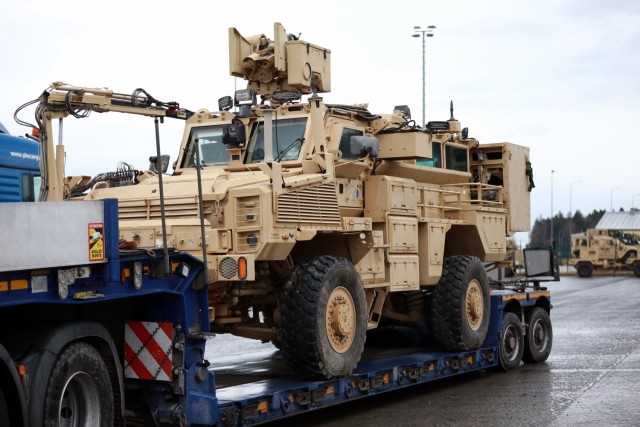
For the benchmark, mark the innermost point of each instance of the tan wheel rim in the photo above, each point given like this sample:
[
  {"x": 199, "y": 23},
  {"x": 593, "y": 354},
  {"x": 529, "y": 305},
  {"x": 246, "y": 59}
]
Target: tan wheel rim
[
  {"x": 340, "y": 319},
  {"x": 475, "y": 306}
]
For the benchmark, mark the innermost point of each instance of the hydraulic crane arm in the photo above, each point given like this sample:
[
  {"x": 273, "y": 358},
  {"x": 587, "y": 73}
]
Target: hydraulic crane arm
[{"x": 61, "y": 100}]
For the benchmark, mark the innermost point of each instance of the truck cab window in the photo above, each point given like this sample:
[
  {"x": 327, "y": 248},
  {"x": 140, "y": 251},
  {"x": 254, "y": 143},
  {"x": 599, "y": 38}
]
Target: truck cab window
[
  {"x": 212, "y": 151},
  {"x": 457, "y": 158},
  {"x": 287, "y": 134}
]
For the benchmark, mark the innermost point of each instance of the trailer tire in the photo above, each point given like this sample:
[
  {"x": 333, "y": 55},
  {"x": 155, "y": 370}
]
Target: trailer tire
[
  {"x": 584, "y": 269},
  {"x": 539, "y": 338},
  {"x": 511, "y": 342},
  {"x": 324, "y": 318},
  {"x": 5, "y": 419},
  {"x": 636, "y": 268},
  {"x": 79, "y": 389},
  {"x": 461, "y": 307}
]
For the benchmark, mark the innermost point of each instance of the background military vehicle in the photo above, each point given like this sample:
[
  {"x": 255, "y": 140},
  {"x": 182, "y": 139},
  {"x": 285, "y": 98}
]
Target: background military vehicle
[
  {"x": 316, "y": 221},
  {"x": 601, "y": 249}
]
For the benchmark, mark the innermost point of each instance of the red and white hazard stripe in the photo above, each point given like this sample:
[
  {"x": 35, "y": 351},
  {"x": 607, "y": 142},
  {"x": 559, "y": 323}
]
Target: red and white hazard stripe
[{"x": 147, "y": 350}]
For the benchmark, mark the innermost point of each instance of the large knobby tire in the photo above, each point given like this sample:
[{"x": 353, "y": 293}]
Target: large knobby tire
[
  {"x": 460, "y": 306},
  {"x": 539, "y": 338},
  {"x": 511, "y": 342},
  {"x": 584, "y": 269},
  {"x": 79, "y": 390},
  {"x": 324, "y": 318},
  {"x": 636, "y": 268}
]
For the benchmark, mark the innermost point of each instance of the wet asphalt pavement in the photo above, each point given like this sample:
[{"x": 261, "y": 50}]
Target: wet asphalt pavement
[{"x": 592, "y": 377}]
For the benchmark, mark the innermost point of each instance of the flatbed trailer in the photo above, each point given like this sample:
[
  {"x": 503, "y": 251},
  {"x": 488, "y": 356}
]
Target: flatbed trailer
[
  {"x": 258, "y": 388},
  {"x": 93, "y": 332}
]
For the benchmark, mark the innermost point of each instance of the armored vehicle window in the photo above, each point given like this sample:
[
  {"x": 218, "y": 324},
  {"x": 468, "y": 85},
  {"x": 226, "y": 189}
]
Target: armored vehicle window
[
  {"x": 344, "y": 142},
  {"x": 436, "y": 160},
  {"x": 212, "y": 151},
  {"x": 456, "y": 158},
  {"x": 288, "y": 136}
]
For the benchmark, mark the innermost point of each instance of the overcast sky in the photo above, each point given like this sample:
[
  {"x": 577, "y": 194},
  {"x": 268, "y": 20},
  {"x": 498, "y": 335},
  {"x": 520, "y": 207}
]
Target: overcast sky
[{"x": 562, "y": 76}]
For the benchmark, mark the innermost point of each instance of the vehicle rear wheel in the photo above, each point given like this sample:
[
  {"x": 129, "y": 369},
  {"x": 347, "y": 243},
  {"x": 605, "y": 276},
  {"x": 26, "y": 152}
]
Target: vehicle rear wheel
[
  {"x": 79, "y": 390},
  {"x": 537, "y": 345},
  {"x": 584, "y": 269},
  {"x": 636, "y": 268},
  {"x": 511, "y": 342},
  {"x": 324, "y": 318},
  {"x": 460, "y": 306}
]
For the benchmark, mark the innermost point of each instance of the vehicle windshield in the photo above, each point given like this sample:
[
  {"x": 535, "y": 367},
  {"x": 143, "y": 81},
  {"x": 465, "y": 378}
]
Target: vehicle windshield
[
  {"x": 288, "y": 135},
  {"x": 212, "y": 151}
]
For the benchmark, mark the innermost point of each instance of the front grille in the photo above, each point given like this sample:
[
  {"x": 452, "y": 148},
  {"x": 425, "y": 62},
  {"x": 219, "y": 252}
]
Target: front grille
[
  {"x": 317, "y": 204},
  {"x": 175, "y": 207}
]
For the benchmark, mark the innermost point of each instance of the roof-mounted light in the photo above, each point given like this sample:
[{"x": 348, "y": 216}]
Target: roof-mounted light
[
  {"x": 284, "y": 96},
  {"x": 225, "y": 103}
]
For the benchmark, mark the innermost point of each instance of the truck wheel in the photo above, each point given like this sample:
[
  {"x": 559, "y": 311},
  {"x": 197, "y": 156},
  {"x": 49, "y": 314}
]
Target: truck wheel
[
  {"x": 79, "y": 390},
  {"x": 537, "y": 344},
  {"x": 460, "y": 306},
  {"x": 636, "y": 268},
  {"x": 584, "y": 269},
  {"x": 511, "y": 342},
  {"x": 324, "y": 318}
]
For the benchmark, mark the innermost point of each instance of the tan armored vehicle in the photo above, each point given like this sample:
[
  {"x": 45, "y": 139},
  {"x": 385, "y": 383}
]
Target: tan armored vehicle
[
  {"x": 600, "y": 249},
  {"x": 317, "y": 221}
]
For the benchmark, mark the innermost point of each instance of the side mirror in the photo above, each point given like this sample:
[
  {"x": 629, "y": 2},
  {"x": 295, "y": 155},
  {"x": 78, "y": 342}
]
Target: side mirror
[
  {"x": 163, "y": 163},
  {"x": 541, "y": 263},
  {"x": 361, "y": 146},
  {"x": 233, "y": 135}
]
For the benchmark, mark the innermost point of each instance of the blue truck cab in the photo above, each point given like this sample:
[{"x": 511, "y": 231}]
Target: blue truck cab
[{"x": 19, "y": 169}]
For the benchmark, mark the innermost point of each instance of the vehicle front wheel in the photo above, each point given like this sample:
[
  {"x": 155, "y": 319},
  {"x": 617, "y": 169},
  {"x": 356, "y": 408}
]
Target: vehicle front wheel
[
  {"x": 539, "y": 337},
  {"x": 79, "y": 390},
  {"x": 324, "y": 318}
]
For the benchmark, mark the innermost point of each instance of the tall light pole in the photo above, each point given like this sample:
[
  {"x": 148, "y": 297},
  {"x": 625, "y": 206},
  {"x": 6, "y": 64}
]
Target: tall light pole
[
  {"x": 551, "y": 240},
  {"x": 424, "y": 33},
  {"x": 612, "y": 190}
]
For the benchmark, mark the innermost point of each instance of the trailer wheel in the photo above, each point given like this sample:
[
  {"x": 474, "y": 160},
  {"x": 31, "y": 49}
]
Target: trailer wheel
[
  {"x": 636, "y": 268},
  {"x": 79, "y": 390},
  {"x": 539, "y": 337},
  {"x": 5, "y": 420},
  {"x": 584, "y": 269},
  {"x": 511, "y": 342},
  {"x": 461, "y": 304},
  {"x": 324, "y": 318}
]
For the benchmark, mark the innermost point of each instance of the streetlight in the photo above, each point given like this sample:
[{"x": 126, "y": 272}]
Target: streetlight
[
  {"x": 612, "y": 190},
  {"x": 551, "y": 241},
  {"x": 633, "y": 198},
  {"x": 424, "y": 33}
]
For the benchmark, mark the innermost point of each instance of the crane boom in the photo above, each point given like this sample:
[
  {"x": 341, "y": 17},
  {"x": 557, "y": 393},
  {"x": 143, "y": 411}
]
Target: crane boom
[{"x": 61, "y": 100}]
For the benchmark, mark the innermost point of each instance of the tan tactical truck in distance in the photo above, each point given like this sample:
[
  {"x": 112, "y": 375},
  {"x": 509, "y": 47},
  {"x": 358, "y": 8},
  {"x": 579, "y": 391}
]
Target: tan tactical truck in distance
[
  {"x": 317, "y": 220},
  {"x": 600, "y": 249}
]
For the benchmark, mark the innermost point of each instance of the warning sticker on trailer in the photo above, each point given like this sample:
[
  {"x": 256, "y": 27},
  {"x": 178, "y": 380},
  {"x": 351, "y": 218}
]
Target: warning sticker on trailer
[{"x": 96, "y": 241}]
